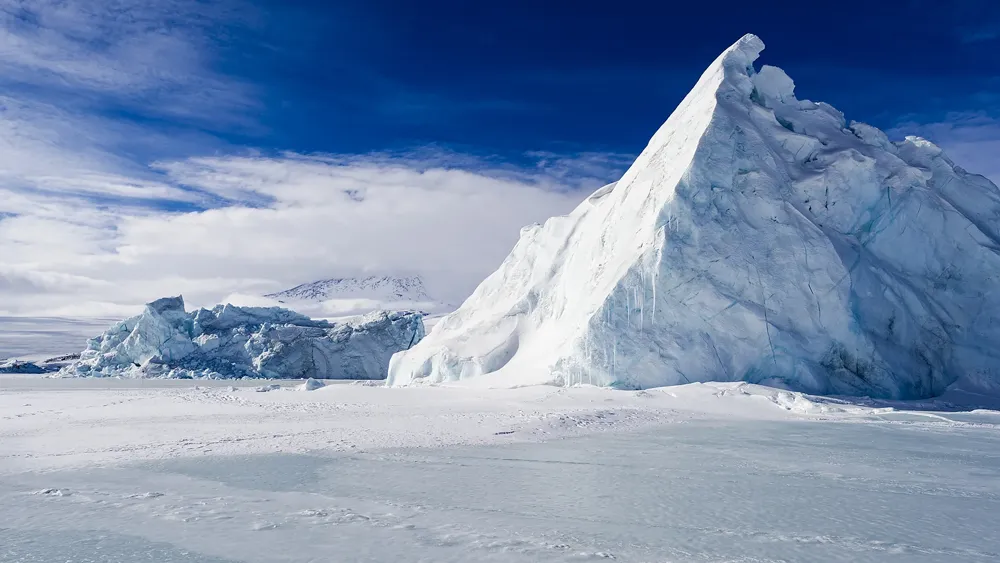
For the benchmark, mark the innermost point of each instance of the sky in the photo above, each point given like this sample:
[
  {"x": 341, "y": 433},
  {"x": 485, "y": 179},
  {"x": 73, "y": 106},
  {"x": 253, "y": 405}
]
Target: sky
[{"x": 231, "y": 148}]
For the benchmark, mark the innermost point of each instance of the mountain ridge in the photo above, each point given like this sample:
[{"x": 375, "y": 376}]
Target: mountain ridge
[{"x": 400, "y": 288}]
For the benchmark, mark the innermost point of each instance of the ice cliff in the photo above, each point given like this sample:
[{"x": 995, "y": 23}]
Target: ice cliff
[
  {"x": 758, "y": 237},
  {"x": 228, "y": 341}
]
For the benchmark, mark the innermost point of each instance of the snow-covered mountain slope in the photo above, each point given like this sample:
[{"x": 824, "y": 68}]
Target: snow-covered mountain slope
[
  {"x": 409, "y": 288},
  {"x": 228, "y": 341},
  {"x": 351, "y": 296},
  {"x": 758, "y": 237}
]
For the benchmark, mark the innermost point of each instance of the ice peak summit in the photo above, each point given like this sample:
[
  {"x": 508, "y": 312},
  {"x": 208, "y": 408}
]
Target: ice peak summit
[
  {"x": 744, "y": 52},
  {"x": 758, "y": 237}
]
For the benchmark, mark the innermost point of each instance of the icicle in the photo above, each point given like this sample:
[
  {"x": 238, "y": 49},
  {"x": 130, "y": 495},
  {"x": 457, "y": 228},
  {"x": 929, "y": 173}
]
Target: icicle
[
  {"x": 642, "y": 305},
  {"x": 652, "y": 314},
  {"x": 590, "y": 369},
  {"x": 635, "y": 298},
  {"x": 614, "y": 360}
]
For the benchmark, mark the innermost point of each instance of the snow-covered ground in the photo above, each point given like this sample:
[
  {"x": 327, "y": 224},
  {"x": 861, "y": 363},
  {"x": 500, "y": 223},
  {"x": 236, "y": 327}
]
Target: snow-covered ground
[{"x": 214, "y": 471}]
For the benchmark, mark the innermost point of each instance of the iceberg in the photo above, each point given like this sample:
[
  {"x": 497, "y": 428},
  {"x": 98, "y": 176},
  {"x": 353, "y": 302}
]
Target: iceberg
[
  {"x": 228, "y": 341},
  {"x": 758, "y": 237}
]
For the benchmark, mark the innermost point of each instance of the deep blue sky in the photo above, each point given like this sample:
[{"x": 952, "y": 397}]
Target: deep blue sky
[
  {"x": 168, "y": 79},
  {"x": 357, "y": 76}
]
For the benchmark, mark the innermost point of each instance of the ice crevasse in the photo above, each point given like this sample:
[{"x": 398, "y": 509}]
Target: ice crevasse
[{"x": 758, "y": 237}]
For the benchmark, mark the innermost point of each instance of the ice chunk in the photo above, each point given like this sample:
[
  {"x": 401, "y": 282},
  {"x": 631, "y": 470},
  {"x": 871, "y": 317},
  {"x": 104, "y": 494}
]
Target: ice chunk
[
  {"x": 311, "y": 385},
  {"x": 229, "y": 341},
  {"x": 756, "y": 238},
  {"x": 774, "y": 86}
]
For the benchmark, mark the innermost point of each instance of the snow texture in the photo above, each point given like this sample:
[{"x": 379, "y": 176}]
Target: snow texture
[
  {"x": 228, "y": 341},
  {"x": 167, "y": 471},
  {"x": 758, "y": 237}
]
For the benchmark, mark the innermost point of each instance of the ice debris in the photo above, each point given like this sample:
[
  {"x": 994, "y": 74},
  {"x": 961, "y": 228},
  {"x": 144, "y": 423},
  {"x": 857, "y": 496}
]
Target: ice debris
[
  {"x": 228, "y": 341},
  {"x": 758, "y": 237}
]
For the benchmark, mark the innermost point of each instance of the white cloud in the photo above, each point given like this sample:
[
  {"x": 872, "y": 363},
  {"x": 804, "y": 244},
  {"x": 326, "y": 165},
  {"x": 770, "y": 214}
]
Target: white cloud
[
  {"x": 45, "y": 148},
  {"x": 307, "y": 218},
  {"x": 152, "y": 55}
]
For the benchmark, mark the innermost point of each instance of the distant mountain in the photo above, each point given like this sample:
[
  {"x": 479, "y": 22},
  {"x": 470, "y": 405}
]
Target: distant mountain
[
  {"x": 337, "y": 297},
  {"x": 379, "y": 288}
]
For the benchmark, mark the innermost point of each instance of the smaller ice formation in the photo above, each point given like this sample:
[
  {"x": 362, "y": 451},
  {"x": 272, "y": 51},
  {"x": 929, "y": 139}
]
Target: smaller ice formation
[
  {"x": 311, "y": 385},
  {"x": 228, "y": 341}
]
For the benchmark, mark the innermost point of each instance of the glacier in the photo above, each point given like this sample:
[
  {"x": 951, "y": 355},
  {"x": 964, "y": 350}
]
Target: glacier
[
  {"x": 758, "y": 237},
  {"x": 229, "y": 341}
]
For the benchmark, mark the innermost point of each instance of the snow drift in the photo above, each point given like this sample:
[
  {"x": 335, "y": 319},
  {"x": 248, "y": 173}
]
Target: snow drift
[
  {"x": 228, "y": 341},
  {"x": 758, "y": 237}
]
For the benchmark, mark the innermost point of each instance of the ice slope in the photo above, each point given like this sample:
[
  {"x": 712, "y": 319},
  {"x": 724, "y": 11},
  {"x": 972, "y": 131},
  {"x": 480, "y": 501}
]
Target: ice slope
[
  {"x": 758, "y": 237},
  {"x": 229, "y": 341}
]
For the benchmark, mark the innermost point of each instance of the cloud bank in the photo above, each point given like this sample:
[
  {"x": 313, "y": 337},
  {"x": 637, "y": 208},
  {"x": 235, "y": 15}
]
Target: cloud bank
[{"x": 268, "y": 223}]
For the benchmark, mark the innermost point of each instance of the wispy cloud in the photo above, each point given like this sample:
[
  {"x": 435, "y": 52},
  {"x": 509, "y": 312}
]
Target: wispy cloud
[
  {"x": 155, "y": 57},
  {"x": 93, "y": 90},
  {"x": 976, "y": 21},
  {"x": 46, "y": 149}
]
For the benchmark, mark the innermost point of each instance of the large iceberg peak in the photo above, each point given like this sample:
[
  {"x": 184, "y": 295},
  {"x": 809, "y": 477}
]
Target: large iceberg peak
[
  {"x": 736, "y": 65},
  {"x": 758, "y": 237},
  {"x": 744, "y": 52}
]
